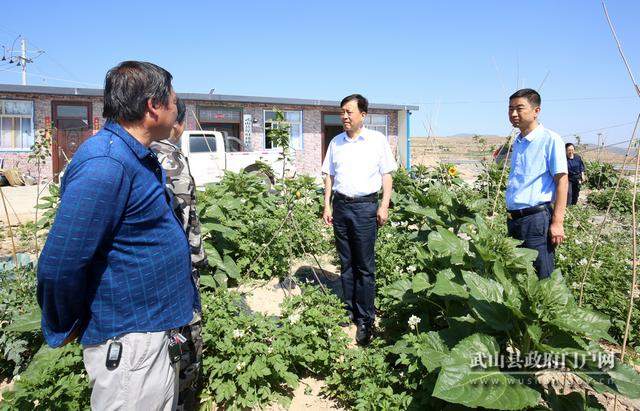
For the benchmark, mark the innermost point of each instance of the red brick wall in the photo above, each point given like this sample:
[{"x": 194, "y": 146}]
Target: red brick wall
[
  {"x": 307, "y": 160},
  {"x": 42, "y": 106}
]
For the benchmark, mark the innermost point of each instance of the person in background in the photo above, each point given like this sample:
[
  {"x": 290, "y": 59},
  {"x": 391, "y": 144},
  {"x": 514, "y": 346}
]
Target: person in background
[
  {"x": 182, "y": 185},
  {"x": 576, "y": 169}
]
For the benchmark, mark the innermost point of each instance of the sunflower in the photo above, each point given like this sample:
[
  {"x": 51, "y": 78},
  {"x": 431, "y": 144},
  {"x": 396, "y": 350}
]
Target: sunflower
[{"x": 452, "y": 171}]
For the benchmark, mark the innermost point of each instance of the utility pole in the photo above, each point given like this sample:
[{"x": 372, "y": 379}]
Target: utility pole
[
  {"x": 20, "y": 59},
  {"x": 23, "y": 43}
]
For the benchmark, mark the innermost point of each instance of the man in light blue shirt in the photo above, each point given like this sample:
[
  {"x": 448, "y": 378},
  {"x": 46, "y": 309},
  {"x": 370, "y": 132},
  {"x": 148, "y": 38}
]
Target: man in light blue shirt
[
  {"x": 537, "y": 186},
  {"x": 357, "y": 164}
]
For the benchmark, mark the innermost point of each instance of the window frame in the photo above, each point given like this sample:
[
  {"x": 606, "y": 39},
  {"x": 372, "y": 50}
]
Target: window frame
[
  {"x": 20, "y": 117},
  {"x": 264, "y": 126},
  {"x": 371, "y": 126}
]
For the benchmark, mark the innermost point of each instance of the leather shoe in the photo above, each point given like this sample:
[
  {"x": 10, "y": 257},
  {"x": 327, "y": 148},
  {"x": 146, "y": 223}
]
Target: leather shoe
[{"x": 364, "y": 334}]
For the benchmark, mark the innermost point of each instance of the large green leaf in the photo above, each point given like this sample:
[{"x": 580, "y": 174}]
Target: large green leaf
[
  {"x": 583, "y": 321},
  {"x": 27, "y": 322},
  {"x": 429, "y": 347},
  {"x": 424, "y": 212},
  {"x": 432, "y": 350},
  {"x": 445, "y": 285},
  {"x": 420, "y": 282},
  {"x": 550, "y": 295},
  {"x": 446, "y": 244},
  {"x": 397, "y": 289},
  {"x": 213, "y": 257},
  {"x": 480, "y": 387},
  {"x": 209, "y": 227},
  {"x": 622, "y": 379},
  {"x": 574, "y": 401},
  {"x": 482, "y": 288},
  {"x": 487, "y": 301},
  {"x": 626, "y": 380},
  {"x": 513, "y": 297},
  {"x": 229, "y": 266},
  {"x": 525, "y": 256},
  {"x": 208, "y": 281}
]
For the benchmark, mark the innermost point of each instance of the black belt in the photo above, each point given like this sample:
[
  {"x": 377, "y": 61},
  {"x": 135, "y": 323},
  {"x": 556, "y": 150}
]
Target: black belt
[
  {"x": 369, "y": 198},
  {"x": 513, "y": 214}
]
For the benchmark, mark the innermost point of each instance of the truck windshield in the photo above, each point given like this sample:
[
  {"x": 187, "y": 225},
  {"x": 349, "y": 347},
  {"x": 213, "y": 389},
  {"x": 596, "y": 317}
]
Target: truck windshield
[{"x": 201, "y": 143}]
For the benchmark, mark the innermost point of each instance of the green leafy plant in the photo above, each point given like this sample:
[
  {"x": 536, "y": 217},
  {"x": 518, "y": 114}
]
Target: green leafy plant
[
  {"x": 311, "y": 323},
  {"x": 49, "y": 206},
  {"x": 364, "y": 380},
  {"x": 20, "y": 336},
  {"x": 477, "y": 293},
  {"x": 54, "y": 380},
  {"x": 244, "y": 363},
  {"x": 621, "y": 202},
  {"x": 251, "y": 232},
  {"x": 252, "y": 360},
  {"x": 609, "y": 274},
  {"x": 601, "y": 175}
]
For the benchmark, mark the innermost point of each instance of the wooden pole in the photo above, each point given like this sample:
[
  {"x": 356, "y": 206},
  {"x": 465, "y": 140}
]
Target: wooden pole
[{"x": 13, "y": 242}]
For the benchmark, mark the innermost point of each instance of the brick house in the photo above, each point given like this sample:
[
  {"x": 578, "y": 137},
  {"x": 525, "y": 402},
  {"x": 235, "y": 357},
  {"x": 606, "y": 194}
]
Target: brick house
[{"x": 76, "y": 114}]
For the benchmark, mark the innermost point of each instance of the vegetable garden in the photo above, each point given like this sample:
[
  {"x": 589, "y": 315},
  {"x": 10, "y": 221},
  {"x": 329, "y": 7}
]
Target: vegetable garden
[{"x": 454, "y": 294}]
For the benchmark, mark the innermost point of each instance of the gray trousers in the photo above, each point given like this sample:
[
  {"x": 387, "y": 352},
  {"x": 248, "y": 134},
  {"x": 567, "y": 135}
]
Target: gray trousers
[{"x": 144, "y": 380}]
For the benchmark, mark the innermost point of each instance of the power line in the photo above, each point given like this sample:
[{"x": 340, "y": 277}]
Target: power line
[
  {"x": 548, "y": 99},
  {"x": 59, "y": 79},
  {"x": 597, "y": 129}
]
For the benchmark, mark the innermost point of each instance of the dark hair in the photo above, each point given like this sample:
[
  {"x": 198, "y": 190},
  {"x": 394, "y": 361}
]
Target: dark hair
[
  {"x": 566, "y": 146},
  {"x": 530, "y": 94},
  {"x": 182, "y": 111},
  {"x": 363, "y": 103},
  {"x": 129, "y": 85}
]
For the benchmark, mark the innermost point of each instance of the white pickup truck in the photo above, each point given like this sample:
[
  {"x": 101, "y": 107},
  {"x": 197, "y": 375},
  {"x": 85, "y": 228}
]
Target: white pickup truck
[{"x": 210, "y": 153}]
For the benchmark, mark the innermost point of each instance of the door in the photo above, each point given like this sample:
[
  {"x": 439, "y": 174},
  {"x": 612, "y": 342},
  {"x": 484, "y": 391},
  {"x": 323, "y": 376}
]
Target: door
[
  {"x": 331, "y": 127},
  {"x": 72, "y": 123},
  {"x": 206, "y": 159}
]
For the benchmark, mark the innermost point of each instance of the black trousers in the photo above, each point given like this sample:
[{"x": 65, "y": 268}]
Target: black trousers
[
  {"x": 534, "y": 231},
  {"x": 355, "y": 228},
  {"x": 574, "y": 192}
]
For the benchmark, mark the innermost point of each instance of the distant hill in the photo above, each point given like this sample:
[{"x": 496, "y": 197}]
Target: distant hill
[{"x": 464, "y": 147}]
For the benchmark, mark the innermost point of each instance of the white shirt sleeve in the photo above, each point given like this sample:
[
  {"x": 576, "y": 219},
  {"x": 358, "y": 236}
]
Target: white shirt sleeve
[
  {"x": 387, "y": 162},
  {"x": 328, "y": 166}
]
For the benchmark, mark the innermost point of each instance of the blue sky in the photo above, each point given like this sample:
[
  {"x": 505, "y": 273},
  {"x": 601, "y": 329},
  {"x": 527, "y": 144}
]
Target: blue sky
[{"x": 457, "y": 60}]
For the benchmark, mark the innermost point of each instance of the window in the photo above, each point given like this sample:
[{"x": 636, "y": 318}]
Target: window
[
  {"x": 293, "y": 119},
  {"x": 16, "y": 124},
  {"x": 377, "y": 122},
  {"x": 72, "y": 117},
  {"x": 199, "y": 143}
]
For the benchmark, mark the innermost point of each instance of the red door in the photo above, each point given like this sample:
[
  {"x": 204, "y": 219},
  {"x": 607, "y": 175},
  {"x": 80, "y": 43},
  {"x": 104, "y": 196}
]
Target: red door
[{"x": 72, "y": 123}]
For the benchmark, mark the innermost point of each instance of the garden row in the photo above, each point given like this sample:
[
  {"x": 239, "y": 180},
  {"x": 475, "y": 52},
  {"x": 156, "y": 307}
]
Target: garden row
[{"x": 452, "y": 289}]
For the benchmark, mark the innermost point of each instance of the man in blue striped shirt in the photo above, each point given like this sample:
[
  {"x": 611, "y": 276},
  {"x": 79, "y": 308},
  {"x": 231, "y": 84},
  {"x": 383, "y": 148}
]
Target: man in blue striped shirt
[
  {"x": 115, "y": 271},
  {"x": 537, "y": 186}
]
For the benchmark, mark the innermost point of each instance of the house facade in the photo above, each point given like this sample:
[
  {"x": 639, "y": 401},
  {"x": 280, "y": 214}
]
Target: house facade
[{"x": 75, "y": 114}]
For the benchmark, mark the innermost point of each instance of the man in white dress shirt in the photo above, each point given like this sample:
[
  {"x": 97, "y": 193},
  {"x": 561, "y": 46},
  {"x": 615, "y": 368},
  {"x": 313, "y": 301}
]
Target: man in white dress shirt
[{"x": 357, "y": 164}]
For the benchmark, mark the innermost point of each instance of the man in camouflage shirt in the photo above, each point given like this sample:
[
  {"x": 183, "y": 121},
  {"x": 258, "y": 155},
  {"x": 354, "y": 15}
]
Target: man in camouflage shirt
[{"x": 181, "y": 183}]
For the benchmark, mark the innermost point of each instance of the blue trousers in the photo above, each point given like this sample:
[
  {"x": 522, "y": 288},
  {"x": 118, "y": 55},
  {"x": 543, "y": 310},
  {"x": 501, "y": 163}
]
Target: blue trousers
[
  {"x": 534, "y": 231},
  {"x": 355, "y": 229}
]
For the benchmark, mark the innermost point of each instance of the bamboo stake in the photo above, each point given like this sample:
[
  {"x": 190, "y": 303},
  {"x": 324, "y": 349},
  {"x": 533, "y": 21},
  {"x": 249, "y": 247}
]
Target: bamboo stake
[
  {"x": 13, "y": 243},
  {"x": 634, "y": 241},
  {"x": 606, "y": 215}
]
